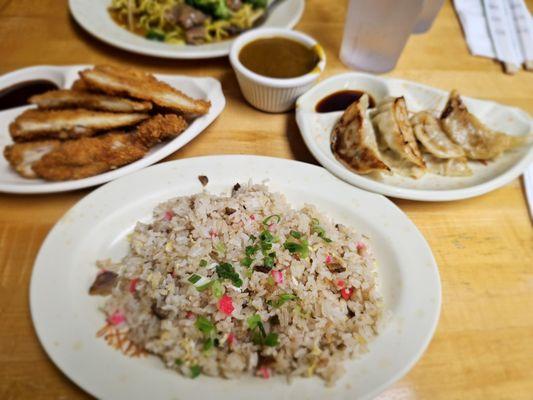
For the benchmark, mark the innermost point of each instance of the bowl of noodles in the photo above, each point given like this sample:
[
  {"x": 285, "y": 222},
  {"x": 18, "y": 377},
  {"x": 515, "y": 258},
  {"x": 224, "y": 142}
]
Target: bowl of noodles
[{"x": 181, "y": 28}]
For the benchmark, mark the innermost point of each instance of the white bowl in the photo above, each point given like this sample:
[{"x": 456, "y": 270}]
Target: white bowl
[{"x": 274, "y": 94}]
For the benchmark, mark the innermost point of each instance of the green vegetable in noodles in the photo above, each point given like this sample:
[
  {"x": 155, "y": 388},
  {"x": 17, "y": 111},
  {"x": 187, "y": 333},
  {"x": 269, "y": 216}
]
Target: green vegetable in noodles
[
  {"x": 155, "y": 35},
  {"x": 216, "y": 8},
  {"x": 257, "y": 3}
]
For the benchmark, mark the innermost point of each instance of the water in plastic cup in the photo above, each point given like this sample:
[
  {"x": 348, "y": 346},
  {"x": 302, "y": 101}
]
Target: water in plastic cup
[
  {"x": 375, "y": 32},
  {"x": 429, "y": 12}
]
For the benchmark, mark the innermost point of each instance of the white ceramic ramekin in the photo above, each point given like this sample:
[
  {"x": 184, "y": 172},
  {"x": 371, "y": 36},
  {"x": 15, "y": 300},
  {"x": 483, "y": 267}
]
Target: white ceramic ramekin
[{"x": 274, "y": 94}]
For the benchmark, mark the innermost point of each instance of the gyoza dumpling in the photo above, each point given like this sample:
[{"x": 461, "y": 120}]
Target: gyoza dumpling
[
  {"x": 447, "y": 166},
  {"x": 395, "y": 131},
  {"x": 353, "y": 140},
  {"x": 402, "y": 166},
  {"x": 429, "y": 132},
  {"x": 478, "y": 141}
]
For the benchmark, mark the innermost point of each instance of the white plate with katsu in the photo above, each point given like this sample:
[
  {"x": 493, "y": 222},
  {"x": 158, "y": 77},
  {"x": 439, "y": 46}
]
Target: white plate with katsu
[
  {"x": 101, "y": 123},
  {"x": 411, "y": 141}
]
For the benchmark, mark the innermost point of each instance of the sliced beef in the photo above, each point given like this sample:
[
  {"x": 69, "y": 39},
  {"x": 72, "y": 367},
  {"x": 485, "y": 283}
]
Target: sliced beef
[
  {"x": 185, "y": 16},
  {"x": 234, "y": 5},
  {"x": 195, "y": 35}
]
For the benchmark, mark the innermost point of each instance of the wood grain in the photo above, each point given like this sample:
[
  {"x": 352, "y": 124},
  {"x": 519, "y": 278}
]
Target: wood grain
[{"x": 483, "y": 347}]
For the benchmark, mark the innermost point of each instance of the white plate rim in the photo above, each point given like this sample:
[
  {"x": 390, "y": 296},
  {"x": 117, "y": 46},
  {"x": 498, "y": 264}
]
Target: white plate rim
[
  {"x": 38, "y": 293},
  {"x": 215, "y": 95},
  {"x": 173, "y": 51},
  {"x": 395, "y": 191}
]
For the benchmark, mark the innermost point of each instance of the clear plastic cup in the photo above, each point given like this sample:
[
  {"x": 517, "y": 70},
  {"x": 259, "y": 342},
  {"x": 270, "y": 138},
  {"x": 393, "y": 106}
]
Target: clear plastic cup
[
  {"x": 375, "y": 32},
  {"x": 429, "y": 12}
]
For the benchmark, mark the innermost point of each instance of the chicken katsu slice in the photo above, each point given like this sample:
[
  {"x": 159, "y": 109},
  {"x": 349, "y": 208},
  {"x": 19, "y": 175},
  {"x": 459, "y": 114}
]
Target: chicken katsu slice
[
  {"x": 22, "y": 156},
  {"x": 79, "y": 85},
  {"x": 61, "y": 99},
  {"x": 88, "y": 156},
  {"x": 125, "y": 81},
  {"x": 159, "y": 129},
  {"x": 68, "y": 124},
  {"x": 84, "y": 157}
]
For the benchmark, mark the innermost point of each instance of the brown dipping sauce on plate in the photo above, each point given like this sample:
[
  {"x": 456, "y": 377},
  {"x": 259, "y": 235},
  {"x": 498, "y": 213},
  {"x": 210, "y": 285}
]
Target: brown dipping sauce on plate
[
  {"x": 18, "y": 94},
  {"x": 278, "y": 57},
  {"x": 339, "y": 101}
]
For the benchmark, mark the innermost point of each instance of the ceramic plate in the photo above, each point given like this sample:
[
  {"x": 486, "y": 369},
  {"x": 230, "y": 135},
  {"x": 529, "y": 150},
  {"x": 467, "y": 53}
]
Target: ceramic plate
[
  {"x": 66, "y": 318},
  {"x": 11, "y": 182},
  {"x": 316, "y": 129},
  {"x": 93, "y": 16}
]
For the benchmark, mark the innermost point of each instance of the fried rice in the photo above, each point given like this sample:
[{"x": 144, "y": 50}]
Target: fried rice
[{"x": 243, "y": 284}]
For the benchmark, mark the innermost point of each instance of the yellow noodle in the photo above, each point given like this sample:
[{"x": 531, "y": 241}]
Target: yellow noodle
[{"x": 149, "y": 15}]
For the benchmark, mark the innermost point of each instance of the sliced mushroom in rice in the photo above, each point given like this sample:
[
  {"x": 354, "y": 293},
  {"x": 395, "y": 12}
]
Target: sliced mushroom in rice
[{"x": 103, "y": 284}]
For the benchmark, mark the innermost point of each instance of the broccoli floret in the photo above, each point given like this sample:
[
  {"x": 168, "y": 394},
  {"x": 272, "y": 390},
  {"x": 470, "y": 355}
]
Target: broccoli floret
[
  {"x": 215, "y": 8},
  {"x": 257, "y": 3}
]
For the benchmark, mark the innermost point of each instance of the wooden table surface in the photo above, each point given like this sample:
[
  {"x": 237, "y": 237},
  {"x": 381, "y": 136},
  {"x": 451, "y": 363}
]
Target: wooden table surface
[{"x": 483, "y": 347}]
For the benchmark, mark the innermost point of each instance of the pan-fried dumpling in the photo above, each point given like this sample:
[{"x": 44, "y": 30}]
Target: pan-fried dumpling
[
  {"x": 353, "y": 140},
  {"x": 447, "y": 166},
  {"x": 429, "y": 132},
  {"x": 402, "y": 166},
  {"x": 478, "y": 141},
  {"x": 395, "y": 131}
]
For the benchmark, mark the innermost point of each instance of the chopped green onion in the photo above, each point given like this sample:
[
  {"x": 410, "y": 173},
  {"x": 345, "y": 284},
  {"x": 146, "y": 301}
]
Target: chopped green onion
[
  {"x": 203, "y": 263},
  {"x": 252, "y": 238},
  {"x": 301, "y": 248},
  {"x": 296, "y": 234},
  {"x": 218, "y": 289},
  {"x": 253, "y": 321},
  {"x": 316, "y": 228},
  {"x": 220, "y": 247},
  {"x": 271, "y": 339},
  {"x": 226, "y": 271},
  {"x": 196, "y": 370},
  {"x": 246, "y": 261},
  {"x": 266, "y": 247},
  {"x": 205, "y": 286},
  {"x": 267, "y": 219},
  {"x": 268, "y": 261},
  {"x": 282, "y": 299},
  {"x": 194, "y": 278},
  {"x": 208, "y": 345},
  {"x": 204, "y": 325},
  {"x": 266, "y": 236},
  {"x": 259, "y": 336},
  {"x": 251, "y": 250},
  {"x": 178, "y": 361}
]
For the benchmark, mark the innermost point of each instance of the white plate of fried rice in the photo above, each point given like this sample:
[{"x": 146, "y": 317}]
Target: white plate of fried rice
[{"x": 234, "y": 277}]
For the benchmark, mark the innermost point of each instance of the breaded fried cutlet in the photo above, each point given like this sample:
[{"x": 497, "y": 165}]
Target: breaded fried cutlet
[
  {"x": 68, "y": 124},
  {"x": 137, "y": 84},
  {"x": 84, "y": 157},
  {"x": 160, "y": 128},
  {"x": 88, "y": 156},
  {"x": 22, "y": 156},
  {"x": 64, "y": 99}
]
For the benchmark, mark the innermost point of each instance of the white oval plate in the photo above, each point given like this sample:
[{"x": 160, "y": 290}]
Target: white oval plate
[
  {"x": 66, "y": 318},
  {"x": 11, "y": 182},
  {"x": 316, "y": 129},
  {"x": 92, "y": 15}
]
